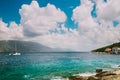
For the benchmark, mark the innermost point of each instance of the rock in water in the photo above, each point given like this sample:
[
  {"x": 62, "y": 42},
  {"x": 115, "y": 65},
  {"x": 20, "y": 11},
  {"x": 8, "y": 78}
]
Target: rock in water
[
  {"x": 99, "y": 70},
  {"x": 105, "y": 73}
]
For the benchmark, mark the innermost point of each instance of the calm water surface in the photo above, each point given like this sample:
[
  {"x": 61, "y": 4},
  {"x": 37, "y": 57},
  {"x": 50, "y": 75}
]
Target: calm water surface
[{"x": 53, "y": 66}]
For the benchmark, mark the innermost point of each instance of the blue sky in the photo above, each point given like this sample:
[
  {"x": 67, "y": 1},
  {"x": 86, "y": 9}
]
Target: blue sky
[{"x": 9, "y": 9}]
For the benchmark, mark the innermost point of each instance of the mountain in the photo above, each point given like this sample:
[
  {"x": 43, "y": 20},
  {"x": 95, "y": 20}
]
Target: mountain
[
  {"x": 102, "y": 49},
  {"x": 23, "y": 46}
]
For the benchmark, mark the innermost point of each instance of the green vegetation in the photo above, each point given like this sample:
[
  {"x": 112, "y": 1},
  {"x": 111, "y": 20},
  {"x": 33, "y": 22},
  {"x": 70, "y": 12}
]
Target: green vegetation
[
  {"x": 22, "y": 46},
  {"x": 109, "y": 46}
]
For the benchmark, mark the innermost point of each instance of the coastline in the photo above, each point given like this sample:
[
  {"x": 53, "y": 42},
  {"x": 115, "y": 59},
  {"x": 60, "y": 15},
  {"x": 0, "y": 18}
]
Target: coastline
[
  {"x": 100, "y": 53},
  {"x": 100, "y": 75}
]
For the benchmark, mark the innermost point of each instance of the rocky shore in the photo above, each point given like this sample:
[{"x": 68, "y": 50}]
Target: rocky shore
[{"x": 100, "y": 75}]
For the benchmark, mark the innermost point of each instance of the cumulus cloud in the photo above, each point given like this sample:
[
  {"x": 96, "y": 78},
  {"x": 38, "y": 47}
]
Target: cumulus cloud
[
  {"x": 98, "y": 31},
  {"x": 82, "y": 14},
  {"x": 11, "y": 32},
  {"x": 3, "y": 30},
  {"x": 15, "y": 31},
  {"x": 39, "y": 20},
  {"x": 108, "y": 11}
]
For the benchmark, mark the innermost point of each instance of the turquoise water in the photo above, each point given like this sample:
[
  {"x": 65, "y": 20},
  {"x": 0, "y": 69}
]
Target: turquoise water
[{"x": 53, "y": 66}]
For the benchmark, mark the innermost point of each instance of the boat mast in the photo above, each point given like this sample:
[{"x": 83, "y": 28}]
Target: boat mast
[{"x": 15, "y": 46}]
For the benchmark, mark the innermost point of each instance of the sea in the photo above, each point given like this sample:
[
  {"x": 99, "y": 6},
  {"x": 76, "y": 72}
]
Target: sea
[{"x": 54, "y": 66}]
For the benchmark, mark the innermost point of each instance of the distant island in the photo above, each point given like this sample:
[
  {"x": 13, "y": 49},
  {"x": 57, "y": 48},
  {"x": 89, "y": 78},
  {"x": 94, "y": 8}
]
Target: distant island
[
  {"x": 111, "y": 49},
  {"x": 23, "y": 46}
]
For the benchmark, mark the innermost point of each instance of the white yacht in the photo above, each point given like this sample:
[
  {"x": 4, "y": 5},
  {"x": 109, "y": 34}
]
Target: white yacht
[{"x": 15, "y": 52}]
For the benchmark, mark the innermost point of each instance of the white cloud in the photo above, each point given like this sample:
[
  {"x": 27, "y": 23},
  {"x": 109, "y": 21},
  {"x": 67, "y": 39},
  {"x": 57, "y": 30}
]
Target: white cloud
[
  {"x": 16, "y": 31},
  {"x": 10, "y": 32},
  {"x": 39, "y": 20},
  {"x": 3, "y": 30},
  {"x": 82, "y": 16},
  {"x": 108, "y": 11},
  {"x": 98, "y": 31}
]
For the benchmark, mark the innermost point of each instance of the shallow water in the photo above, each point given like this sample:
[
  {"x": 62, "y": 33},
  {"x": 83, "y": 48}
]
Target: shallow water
[{"x": 53, "y": 66}]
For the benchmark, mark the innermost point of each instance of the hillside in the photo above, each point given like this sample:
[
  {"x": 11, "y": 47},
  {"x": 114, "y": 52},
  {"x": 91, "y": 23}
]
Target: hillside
[
  {"x": 109, "y": 46},
  {"x": 23, "y": 46}
]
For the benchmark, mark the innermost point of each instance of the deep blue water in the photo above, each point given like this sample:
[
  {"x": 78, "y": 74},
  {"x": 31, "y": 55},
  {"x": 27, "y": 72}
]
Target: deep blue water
[{"x": 53, "y": 66}]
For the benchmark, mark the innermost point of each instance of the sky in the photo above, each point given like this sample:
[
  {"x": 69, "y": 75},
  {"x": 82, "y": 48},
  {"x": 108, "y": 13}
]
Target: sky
[{"x": 76, "y": 25}]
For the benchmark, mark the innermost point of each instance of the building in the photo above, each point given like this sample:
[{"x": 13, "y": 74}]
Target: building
[
  {"x": 108, "y": 50},
  {"x": 115, "y": 50}
]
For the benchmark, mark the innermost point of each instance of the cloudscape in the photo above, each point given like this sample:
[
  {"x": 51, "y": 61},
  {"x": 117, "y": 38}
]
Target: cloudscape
[{"x": 82, "y": 26}]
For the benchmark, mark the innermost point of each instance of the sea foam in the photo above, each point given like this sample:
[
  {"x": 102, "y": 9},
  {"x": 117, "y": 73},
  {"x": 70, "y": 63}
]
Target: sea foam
[
  {"x": 58, "y": 78},
  {"x": 84, "y": 74}
]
